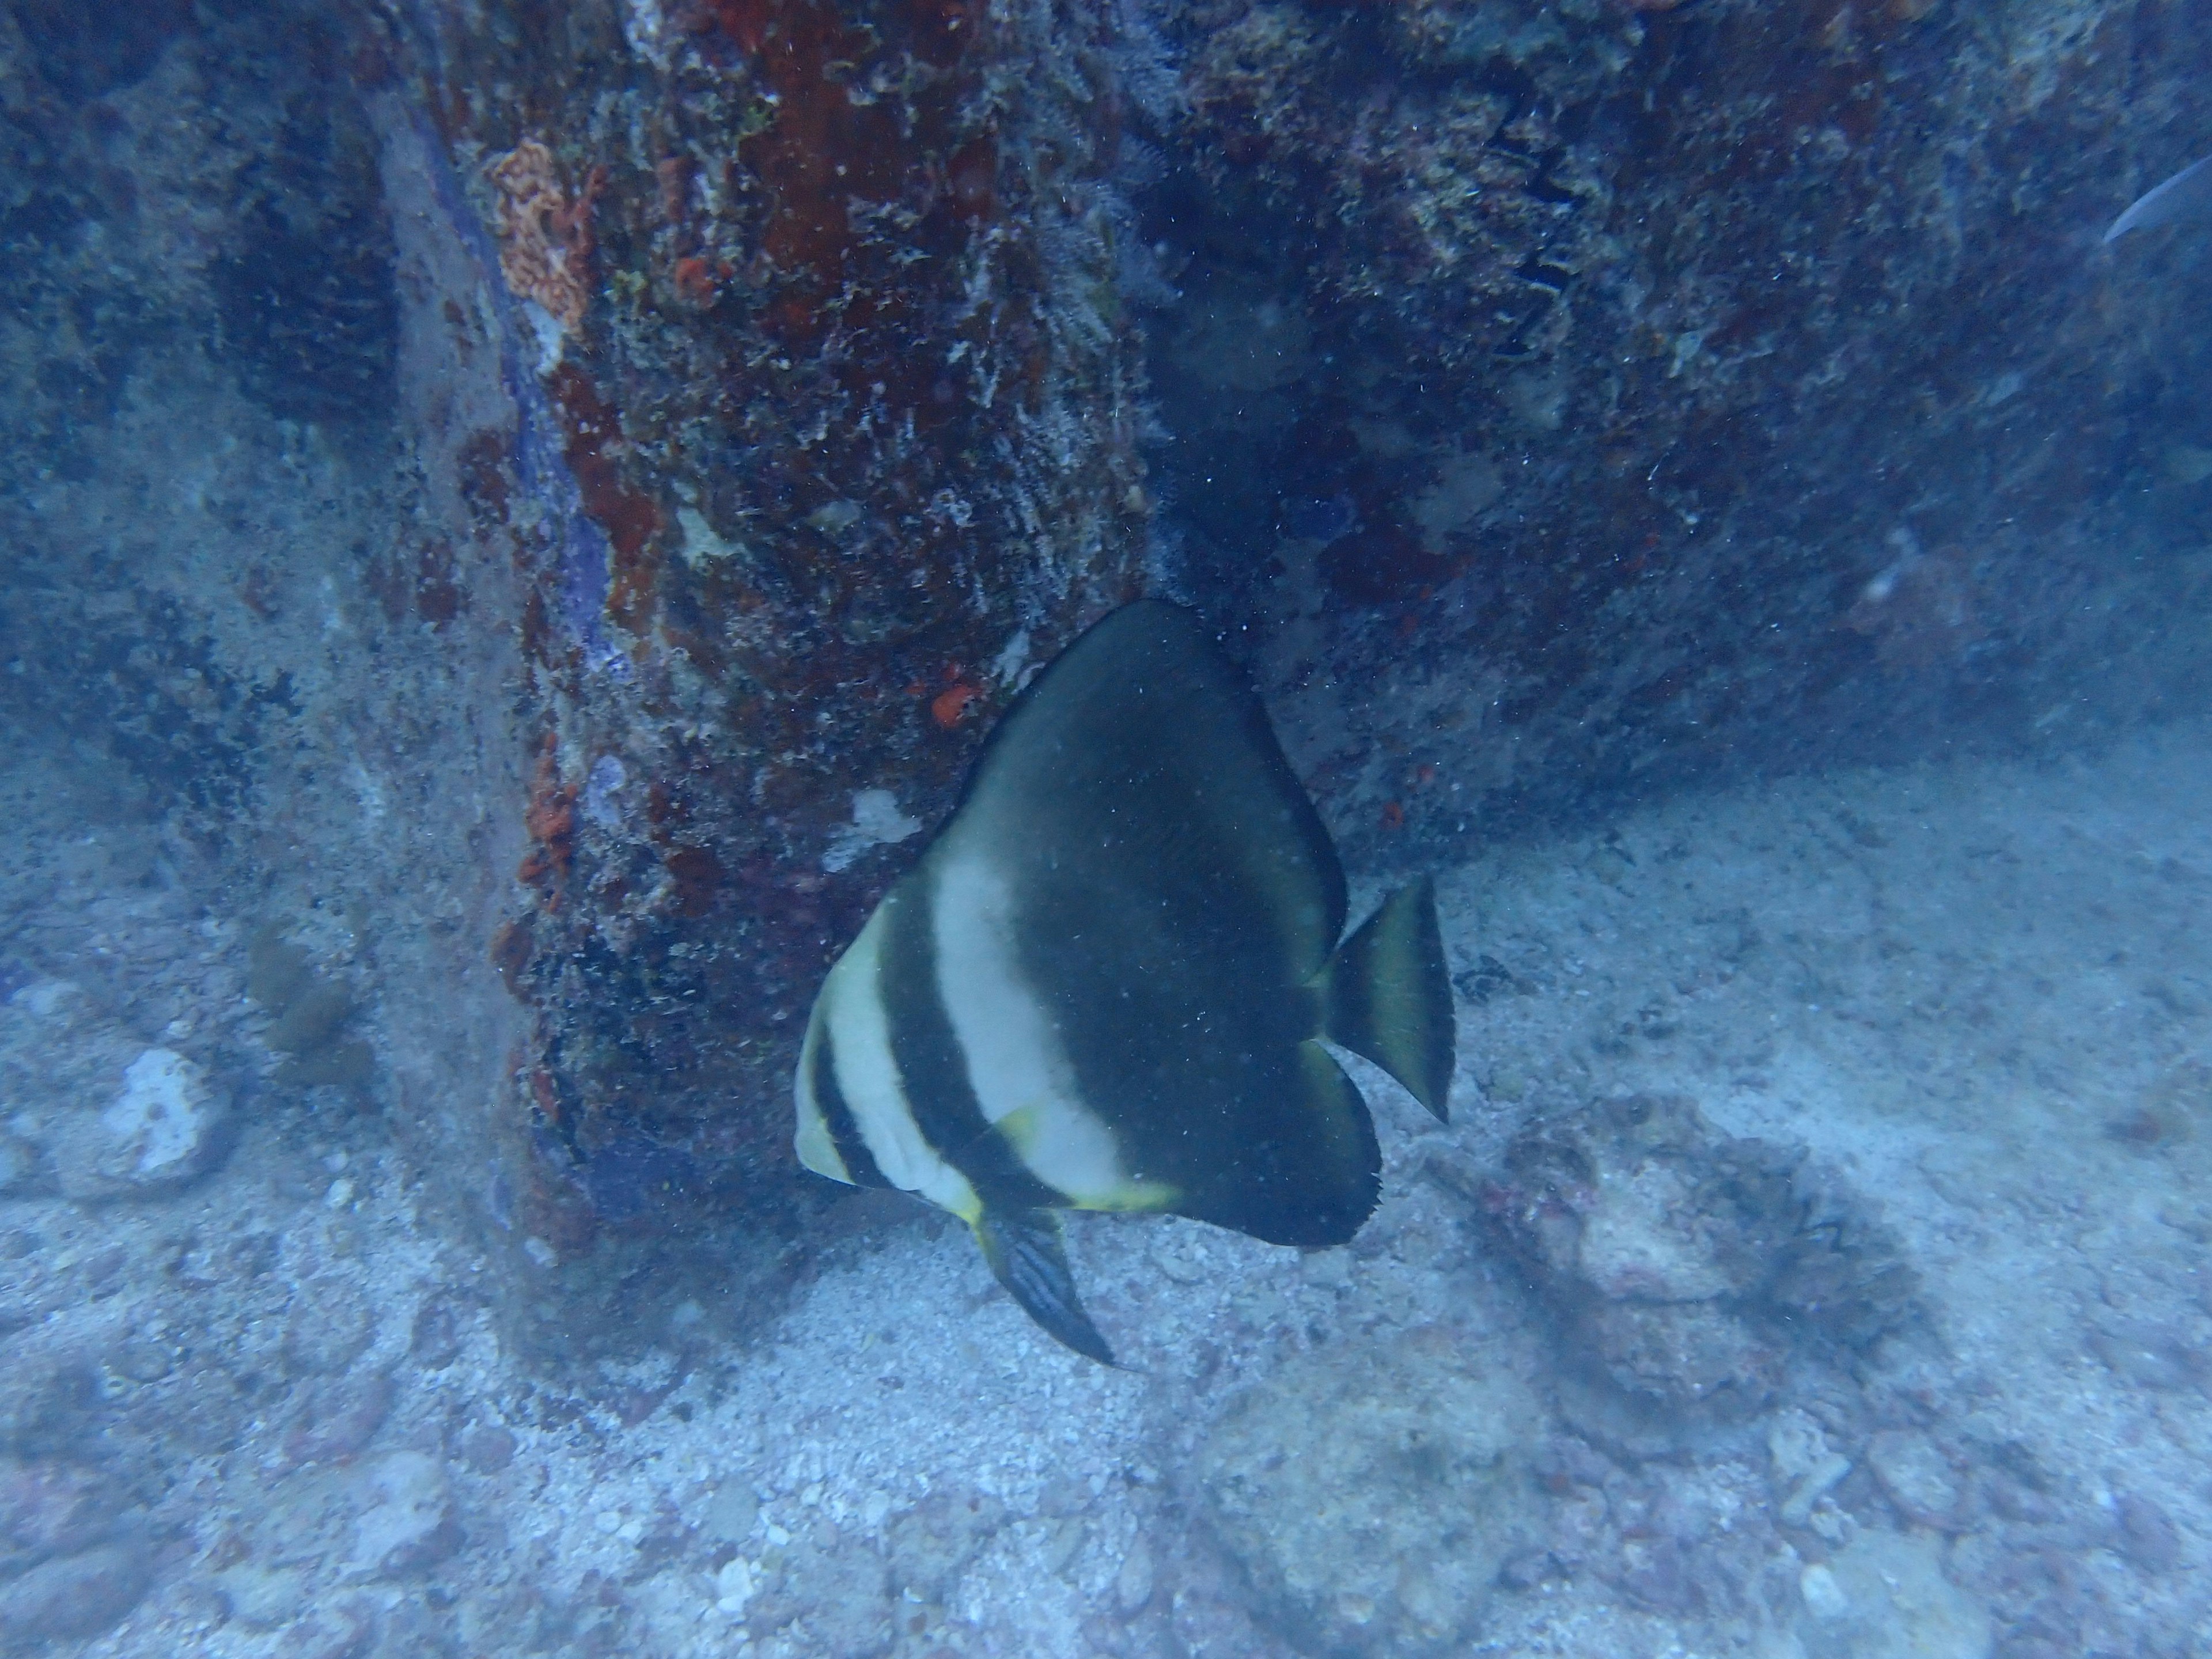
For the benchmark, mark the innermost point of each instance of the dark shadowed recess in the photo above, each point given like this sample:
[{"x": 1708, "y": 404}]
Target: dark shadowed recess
[
  {"x": 144, "y": 688},
  {"x": 89, "y": 51},
  {"x": 305, "y": 302},
  {"x": 296, "y": 308}
]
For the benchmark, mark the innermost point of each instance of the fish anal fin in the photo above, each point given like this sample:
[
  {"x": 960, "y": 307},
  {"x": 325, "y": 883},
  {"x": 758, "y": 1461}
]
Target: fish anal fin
[
  {"x": 1314, "y": 1180},
  {"x": 1025, "y": 1253},
  {"x": 1388, "y": 998}
]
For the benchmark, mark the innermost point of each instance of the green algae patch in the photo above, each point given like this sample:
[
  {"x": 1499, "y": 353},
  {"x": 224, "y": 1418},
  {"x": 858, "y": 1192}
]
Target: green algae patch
[{"x": 310, "y": 1017}]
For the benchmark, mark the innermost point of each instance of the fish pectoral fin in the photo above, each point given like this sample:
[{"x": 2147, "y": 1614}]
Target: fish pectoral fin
[{"x": 1025, "y": 1253}]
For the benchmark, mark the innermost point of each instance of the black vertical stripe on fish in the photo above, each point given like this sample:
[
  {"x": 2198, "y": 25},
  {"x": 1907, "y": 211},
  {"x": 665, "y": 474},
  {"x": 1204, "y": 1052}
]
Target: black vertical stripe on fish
[
  {"x": 939, "y": 1095},
  {"x": 1193, "y": 1061},
  {"x": 837, "y": 1116}
]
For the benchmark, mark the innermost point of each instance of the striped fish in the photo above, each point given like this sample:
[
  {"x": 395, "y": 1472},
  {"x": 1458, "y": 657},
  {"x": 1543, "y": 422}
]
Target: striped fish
[{"x": 1106, "y": 984}]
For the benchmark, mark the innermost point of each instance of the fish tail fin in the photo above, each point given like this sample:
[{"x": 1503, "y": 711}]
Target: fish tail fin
[
  {"x": 1387, "y": 997},
  {"x": 1025, "y": 1253}
]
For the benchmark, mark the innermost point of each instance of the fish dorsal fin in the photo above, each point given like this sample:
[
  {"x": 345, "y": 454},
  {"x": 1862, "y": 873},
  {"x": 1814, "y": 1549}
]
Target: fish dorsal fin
[
  {"x": 1388, "y": 996},
  {"x": 1142, "y": 752},
  {"x": 1026, "y": 1254}
]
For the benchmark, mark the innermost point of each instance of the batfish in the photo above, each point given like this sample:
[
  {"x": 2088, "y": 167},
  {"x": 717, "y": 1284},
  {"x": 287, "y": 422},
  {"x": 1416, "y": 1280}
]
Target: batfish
[{"x": 1109, "y": 981}]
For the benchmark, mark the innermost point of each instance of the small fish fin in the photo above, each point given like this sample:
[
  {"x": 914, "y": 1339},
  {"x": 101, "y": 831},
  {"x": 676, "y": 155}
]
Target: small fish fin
[
  {"x": 1025, "y": 1254},
  {"x": 2186, "y": 194},
  {"x": 1386, "y": 997}
]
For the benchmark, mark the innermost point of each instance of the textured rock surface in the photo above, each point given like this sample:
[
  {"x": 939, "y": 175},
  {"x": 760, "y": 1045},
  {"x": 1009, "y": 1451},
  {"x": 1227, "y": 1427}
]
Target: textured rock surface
[
  {"x": 49, "y": 1509},
  {"x": 833, "y": 443},
  {"x": 165, "y": 1127},
  {"x": 1374, "y": 1495},
  {"x": 1688, "y": 1265},
  {"x": 329, "y": 1326},
  {"x": 1911, "y": 971},
  {"x": 1885, "y": 1596},
  {"x": 1657, "y": 357},
  {"x": 632, "y": 457},
  {"x": 406, "y": 1522},
  {"x": 1916, "y": 1477},
  {"x": 72, "y": 1596}
]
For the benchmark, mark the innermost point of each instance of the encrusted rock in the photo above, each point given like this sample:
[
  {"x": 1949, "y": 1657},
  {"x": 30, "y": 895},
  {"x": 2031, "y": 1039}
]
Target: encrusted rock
[
  {"x": 329, "y": 1326},
  {"x": 2149, "y": 1537},
  {"x": 49, "y": 1399},
  {"x": 73, "y": 1596},
  {"x": 1133, "y": 1584},
  {"x": 1916, "y": 1477},
  {"x": 1806, "y": 1466},
  {"x": 1647, "y": 1238},
  {"x": 1687, "y": 1263},
  {"x": 262, "y": 1597},
  {"x": 1374, "y": 1494},
  {"x": 833, "y": 1591},
  {"x": 208, "y": 1409},
  {"x": 19, "y": 1164},
  {"x": 2149, "y": 1354},
  {"x": 407, "y": 1522},
  {"x": 544, "y": 232},
  {"x": 165, "y": 1128},
  {"x": 1885, "y": 1597},
  {"x": 50, "y": 1509},
  {"x": 487, "y": 1449},
  {"x": 932, "y": 1544},
  {"x": 339, "y": 1417},
  {"x": 435, "y": 1341},
  {"x": 1684, "y": 1351}
]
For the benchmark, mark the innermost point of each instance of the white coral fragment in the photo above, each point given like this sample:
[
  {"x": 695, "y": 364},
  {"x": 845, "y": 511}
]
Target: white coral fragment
[{"x": 877, "y": 822}]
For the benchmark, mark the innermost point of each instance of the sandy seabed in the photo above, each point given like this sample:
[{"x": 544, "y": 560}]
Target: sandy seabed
[{"x": 261, "y": 1412}]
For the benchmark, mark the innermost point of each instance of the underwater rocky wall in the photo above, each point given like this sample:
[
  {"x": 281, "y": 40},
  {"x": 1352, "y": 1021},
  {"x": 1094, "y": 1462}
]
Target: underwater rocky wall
[
  {"x": 823, "y": 435},
  {"x": 247, "y": 604},
  {"x": 544, "y": 500},
  {"x": 1573, "y": 397},
  {"x": 631, "y": 458}
]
